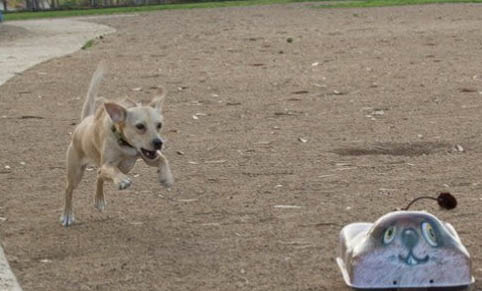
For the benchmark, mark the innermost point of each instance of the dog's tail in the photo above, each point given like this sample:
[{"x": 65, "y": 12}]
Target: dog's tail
[{"x": 89, "y": 104}]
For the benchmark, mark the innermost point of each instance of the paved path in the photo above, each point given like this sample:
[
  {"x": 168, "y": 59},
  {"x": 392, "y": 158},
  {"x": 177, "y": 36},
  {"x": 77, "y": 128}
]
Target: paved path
[{"x": 46, "y": 39}]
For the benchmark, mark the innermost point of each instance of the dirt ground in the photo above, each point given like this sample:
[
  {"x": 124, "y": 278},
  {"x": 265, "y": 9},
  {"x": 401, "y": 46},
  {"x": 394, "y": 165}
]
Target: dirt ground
[{"x": 381, "y": 96}]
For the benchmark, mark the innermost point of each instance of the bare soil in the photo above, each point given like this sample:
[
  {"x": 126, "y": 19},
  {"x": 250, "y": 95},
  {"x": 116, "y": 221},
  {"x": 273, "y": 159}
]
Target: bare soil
[{"x": 380, "y": 96}]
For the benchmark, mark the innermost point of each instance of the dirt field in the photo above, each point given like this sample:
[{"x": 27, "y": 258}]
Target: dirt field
[{"x": 381, "y": 96}]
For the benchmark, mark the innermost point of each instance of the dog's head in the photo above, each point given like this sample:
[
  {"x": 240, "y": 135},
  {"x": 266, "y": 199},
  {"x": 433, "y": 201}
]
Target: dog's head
[{"x": 139, "y": 126}]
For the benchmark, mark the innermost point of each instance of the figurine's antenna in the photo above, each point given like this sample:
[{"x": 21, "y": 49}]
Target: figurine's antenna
[{"x": 444, "y": 200}]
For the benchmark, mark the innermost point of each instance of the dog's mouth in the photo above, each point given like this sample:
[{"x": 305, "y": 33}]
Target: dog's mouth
[{"x": 150, "y": 155}]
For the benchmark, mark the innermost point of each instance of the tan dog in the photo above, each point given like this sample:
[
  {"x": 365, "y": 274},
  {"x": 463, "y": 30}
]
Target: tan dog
[{"x": 113, "y": 137}]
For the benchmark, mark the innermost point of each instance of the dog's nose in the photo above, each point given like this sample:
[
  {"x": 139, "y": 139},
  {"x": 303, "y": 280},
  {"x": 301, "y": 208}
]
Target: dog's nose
[{"x": 157, "y": 143}]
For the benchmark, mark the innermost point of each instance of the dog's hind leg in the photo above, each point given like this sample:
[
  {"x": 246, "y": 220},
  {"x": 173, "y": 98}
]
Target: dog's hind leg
[
  {"x": 75, "y": 171},
  {"x": 99, "y": 200}
]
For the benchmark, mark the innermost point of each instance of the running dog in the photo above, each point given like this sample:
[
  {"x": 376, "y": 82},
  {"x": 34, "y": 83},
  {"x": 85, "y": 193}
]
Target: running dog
[{"x": 113, "y": 136}]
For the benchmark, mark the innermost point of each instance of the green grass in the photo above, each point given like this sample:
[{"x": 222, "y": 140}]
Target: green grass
[
  {"x": 133, "y": 9},
  {"x": 217, "y": 4},
  {"x": 88, "y": 44},
  {"x": 380, "y": 3}
]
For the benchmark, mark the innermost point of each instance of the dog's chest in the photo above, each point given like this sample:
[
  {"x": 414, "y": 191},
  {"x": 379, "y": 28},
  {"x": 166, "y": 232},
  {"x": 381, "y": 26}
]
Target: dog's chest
[{"x": 127, "y": 164}]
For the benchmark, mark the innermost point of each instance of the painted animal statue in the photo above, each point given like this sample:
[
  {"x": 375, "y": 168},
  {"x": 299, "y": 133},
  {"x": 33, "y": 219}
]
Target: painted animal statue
[{"x": 404, "y": 249}]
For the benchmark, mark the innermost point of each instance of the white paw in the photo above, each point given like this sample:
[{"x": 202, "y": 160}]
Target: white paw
[
  {"x": 99, "y": 204},
  {"x": 166, "y": 179},
  {"x": 67, "y": 220},
  {"x": 124, "y": 183}
]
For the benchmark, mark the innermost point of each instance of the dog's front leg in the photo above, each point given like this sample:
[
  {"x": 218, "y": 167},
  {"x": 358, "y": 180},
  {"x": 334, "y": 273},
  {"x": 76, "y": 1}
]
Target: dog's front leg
[
  {"x": 165, "y": 174},
  {"x": 111, "y": 172}
]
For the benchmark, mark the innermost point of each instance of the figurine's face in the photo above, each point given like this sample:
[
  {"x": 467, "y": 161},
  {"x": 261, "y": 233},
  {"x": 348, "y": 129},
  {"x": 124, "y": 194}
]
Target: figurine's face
[
  {"x": 404, "y": 247},
  {"x": 411, "y": 240}
]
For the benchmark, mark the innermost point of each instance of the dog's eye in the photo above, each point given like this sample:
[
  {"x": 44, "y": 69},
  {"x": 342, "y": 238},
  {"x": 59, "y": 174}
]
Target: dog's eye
[
  {"x": 140, "y": 126},
  {"x": 159, "y": 126}
]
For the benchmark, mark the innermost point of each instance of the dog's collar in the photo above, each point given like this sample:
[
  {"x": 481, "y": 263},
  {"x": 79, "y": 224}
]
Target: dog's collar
[{"x": 119, "y": 135}]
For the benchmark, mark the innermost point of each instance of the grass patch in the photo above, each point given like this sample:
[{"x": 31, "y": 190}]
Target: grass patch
[
  {"x": 380, "y": 3},
  {"x": 134, "y": 9},
  {"x": 88, "y": 44},
  {"x": 217, "y": 4}
]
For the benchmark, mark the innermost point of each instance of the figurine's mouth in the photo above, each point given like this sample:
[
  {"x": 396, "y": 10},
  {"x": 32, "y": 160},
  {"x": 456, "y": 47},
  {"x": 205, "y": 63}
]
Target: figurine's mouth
[{"x": 412, "y": 260}]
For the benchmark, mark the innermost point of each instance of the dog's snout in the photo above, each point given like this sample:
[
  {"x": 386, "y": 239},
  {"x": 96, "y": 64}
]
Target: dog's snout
[{"x": 157, "y": 143}]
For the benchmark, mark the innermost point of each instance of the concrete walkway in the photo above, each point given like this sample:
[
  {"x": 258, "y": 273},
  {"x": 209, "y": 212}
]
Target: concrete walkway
[{"x": 46, "y": 39}]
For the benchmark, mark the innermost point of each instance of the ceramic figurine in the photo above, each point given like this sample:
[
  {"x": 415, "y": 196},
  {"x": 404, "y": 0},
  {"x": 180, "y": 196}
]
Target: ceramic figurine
[{"x": 405, "y": 249}]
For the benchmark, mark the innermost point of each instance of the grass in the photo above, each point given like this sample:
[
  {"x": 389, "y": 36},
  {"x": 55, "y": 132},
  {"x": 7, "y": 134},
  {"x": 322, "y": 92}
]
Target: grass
[
  {"x": 133, "y": 9},
  {"x": 217, "y": 4},
  {"x": 88, "y": 44},
  {"x": 380, "y": 3}
]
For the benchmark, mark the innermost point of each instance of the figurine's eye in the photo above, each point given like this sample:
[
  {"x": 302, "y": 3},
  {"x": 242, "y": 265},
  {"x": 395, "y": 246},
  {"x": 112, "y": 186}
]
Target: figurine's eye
[
  {"x": 389, "y": 235},
  {"x": 429, "y": 234},
  {"x": 159, "y": 126},
  {"x": 140, "y": 126}
]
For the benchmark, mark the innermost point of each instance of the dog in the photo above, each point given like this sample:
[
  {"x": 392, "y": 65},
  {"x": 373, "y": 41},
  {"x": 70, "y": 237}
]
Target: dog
[{"x": 113, "y": 137}]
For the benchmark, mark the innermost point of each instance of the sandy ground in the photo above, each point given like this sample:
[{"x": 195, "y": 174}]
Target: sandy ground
[
  {"x": 381, "y": 96},
  {"x": 27, "y": 43}
]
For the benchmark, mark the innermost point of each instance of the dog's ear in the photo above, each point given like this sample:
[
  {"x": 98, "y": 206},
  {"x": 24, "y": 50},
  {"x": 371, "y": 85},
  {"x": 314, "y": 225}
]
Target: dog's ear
[
  {"x": 158, "y": 101},
  {"x": 129, "y": 102},
  {"x": 116, "y": 112}
]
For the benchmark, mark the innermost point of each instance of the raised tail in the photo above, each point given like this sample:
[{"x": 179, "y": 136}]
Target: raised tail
[{"x": 89, "y": 104}]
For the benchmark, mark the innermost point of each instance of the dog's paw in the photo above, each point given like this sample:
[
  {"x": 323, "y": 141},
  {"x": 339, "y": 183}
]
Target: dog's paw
[
  {"x": 165, "y": 178},
  {"x": 99, "y": 204},
  {"x": 67, "y": 220},
  {"x": 124, "y": 183}
]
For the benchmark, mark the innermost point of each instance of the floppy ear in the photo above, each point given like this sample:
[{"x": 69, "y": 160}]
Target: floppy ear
[
  {"x": 116, "y": 112},
  {"x": 158, "y": 101}
]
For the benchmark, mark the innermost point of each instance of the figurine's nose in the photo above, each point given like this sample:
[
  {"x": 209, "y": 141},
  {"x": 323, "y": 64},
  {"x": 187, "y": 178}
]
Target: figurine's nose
[{"x": 409, "y": 238}]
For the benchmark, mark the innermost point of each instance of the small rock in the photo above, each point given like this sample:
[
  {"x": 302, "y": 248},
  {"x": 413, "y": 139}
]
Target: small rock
[
  {"x": 287, "y": 206},
  {"x": 459, "y": 148},
  {"x": 378, "y": 112},
  {"x": 303, "y": 140},
  {"x": 289, "y": 39}
]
